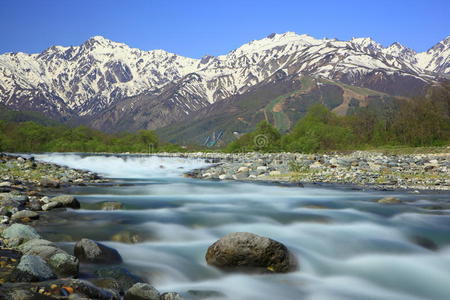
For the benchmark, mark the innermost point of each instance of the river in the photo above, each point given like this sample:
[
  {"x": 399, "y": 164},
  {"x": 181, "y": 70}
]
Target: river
[{"x": 347, "y": 245}]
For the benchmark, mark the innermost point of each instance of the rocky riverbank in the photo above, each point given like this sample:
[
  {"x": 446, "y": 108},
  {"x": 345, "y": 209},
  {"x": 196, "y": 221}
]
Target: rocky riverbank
[
  {"x": 34, "y": 268},
  {"x": 363, "y": 169}
]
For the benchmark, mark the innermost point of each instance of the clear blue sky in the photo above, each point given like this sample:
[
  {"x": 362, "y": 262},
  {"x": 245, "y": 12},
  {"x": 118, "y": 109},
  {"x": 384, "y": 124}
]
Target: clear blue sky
[{"x": 195, "y": 28}]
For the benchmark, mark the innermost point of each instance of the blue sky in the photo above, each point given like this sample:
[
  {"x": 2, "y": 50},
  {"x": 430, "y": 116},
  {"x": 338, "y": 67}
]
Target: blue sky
[{"x": 196, "y": 28}]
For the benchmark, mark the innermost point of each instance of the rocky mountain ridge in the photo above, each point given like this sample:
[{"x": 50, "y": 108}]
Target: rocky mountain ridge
[{"x": 101, "y": 75}]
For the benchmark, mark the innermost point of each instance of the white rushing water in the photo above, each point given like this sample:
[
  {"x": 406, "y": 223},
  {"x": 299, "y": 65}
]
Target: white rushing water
[{"x": 348, "y": 246}]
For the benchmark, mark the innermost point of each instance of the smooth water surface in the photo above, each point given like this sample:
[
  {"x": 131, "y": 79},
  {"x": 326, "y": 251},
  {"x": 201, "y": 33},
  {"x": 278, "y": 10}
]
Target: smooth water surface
[{"x": 348, "y": 246}]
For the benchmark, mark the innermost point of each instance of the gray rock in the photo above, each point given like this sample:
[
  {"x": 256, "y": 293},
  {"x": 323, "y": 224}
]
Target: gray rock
[
  {"x": 124, "y": 277},
  {"x": 48, "y": 183},
  {"x": 64, "y": 264},
  {"x": 19, "y": 233},
  {"x": 44, "y": 251},
  {"x": 243, "y": 251},
  {"x": 142, "y": 291},
  {"x": 35, "y": 205},
  {"x": 33, "y": 268},
  {"x": 22, "y": 199},
  {"x": 51, "y": 205},
  {"x": 93, "y": 252},
  {"x": 25, "y": 214},
  {"x": 66, "y": 201},
  {"x": 108, "y": 284},
  {"x": 34, "y": 243}
]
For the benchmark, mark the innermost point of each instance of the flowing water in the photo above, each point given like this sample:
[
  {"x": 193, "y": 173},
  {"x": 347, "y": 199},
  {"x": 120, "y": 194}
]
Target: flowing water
[{"x": 348, "y": 246}]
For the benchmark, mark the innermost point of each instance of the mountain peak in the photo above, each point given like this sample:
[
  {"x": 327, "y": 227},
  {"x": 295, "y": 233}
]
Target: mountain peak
[
  {"x": 446, "y": 41},
  {"x": 366, "y": 42},
  {"x": 99, "y": 41}
]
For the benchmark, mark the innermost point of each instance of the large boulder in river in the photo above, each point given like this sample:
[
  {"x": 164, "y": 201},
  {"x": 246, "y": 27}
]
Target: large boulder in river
[
  {"x": 66, "y": 201},
  {"x": 243, "y": 251},
  {"x": 93, "y": 252}
]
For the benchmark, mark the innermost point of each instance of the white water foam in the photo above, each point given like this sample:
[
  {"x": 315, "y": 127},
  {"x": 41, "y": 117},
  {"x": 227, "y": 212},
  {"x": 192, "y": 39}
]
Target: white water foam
[{"x": 122, "y": 166}]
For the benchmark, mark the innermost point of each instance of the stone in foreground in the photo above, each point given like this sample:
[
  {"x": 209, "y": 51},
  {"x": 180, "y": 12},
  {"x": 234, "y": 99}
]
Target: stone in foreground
[
  {"x": 93, "y": 252},
  {"x": 33, "y": 268},
  {"x": 142, "y": 291},
  {"x": 17, "y": 234},
  {"x": 64, "y": 264},
  {"x": 248, "y": 252},
  {"x": 124, "y": 278}
]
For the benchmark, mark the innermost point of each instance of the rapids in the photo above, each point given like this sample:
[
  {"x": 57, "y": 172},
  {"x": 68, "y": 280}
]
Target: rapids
[{"x": 348, "y": 246}]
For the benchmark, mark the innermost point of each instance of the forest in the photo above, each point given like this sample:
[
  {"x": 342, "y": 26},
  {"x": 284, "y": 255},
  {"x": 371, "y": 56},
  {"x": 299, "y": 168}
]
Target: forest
[
  {"x": 31, "y": 136},
  {"x": 411, "y": 123}
]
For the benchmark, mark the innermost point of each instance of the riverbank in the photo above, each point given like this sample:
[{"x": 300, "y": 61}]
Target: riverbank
[
  {"x": 363, "y": 169},
  {"x": 34, "y": 268}
]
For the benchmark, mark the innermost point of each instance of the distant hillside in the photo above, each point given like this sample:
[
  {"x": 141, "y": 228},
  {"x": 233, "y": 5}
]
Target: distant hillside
[
  {"x": 281, "y": 100},
  {"x": 24, "y": 116}
]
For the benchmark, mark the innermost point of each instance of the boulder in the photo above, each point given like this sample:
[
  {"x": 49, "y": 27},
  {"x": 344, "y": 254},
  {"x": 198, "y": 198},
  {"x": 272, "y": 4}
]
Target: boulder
[
  {"x": 93, "y": 252},
  {"x": 142, "y": 291},
  {"x": 108, "y": 284},
  {"x": 32, "y": 268},
  {"x": 248, "y": 252},
  {"x": 49, "y": 183},
  {"x": 66, "y": 201},
  {"x": 124, "y": 278},
  {"x": 45, "y": 252},
  {"x": 31, "y": 244},
  {"x": 25, "y": 214},
  {"x": 17, "y": 234},
  {"x": 50, "y": 205},
  {"x": 64, "y": 264}
]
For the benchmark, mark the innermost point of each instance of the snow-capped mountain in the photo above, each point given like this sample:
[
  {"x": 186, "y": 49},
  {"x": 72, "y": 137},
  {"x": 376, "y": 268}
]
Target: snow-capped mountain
[
  {"x": 98, "y": 75},
  {"x": 437, "y": 59}
]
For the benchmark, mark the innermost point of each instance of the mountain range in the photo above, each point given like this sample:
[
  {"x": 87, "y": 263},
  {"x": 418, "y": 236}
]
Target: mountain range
[{"x": 113, "y": 87}]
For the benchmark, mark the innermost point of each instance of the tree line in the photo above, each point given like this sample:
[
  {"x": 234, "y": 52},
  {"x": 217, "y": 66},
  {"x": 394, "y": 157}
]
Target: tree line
[
  {"x": 31, "y": 136},
  {"x": 408, "y": 123}
]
